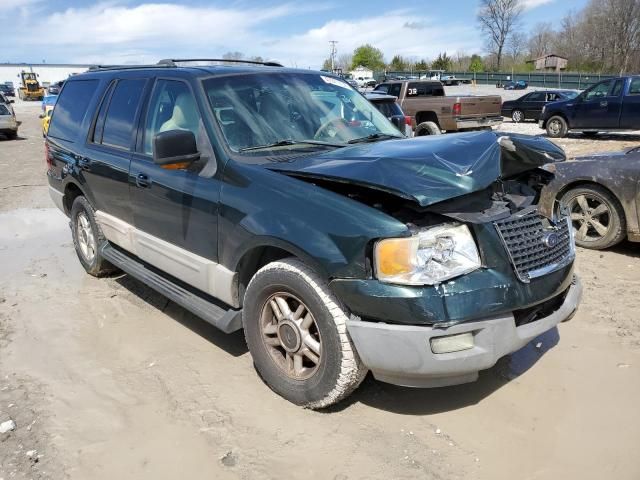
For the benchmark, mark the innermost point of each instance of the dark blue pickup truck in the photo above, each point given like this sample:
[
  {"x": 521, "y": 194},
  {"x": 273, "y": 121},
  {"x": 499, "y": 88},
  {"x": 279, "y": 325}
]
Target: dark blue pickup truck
[{"x": 610, "y": 105}]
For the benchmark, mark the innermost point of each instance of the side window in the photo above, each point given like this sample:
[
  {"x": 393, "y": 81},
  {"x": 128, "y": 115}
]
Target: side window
[
  {"x": 438, "y": 91},
  {"x": 71, "y": 108},
  {"x": 417, "y": 89},
  {"x": 617, "y": 88},
  {"x": 394, "y": 89},
  {"x": 598, "y": 91},
  {"x": 99, "y": 125},
  {"x": 536, "y": 97},
  {"x": 118, "y": 124},
  {"x": 173, "y": 107},
  {"x": 634, "y": 88},
  {"x": 383, "y": 87}
]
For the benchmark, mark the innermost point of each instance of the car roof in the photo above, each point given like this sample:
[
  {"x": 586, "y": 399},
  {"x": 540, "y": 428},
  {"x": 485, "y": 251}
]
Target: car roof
[
  {"x": 192, "y": 68},
  {"x": 379, "y": 96}
]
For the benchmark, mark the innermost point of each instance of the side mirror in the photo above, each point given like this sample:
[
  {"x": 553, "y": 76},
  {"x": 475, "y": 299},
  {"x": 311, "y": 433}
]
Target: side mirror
[
  {"x": 399, "y": 122},
  {"x": 175, "y": 149}
]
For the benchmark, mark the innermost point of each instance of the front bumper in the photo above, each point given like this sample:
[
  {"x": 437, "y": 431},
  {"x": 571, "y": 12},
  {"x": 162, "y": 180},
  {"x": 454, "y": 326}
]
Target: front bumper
[
  {"x": 462, "y": 124},
  {"x": 401, "y": 354}
]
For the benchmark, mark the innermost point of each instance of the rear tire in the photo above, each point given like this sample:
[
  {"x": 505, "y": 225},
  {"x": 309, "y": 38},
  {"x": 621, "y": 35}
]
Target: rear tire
[
  {"x": 427, "y": 128},
  {"x": 597, "y": 217},
  {"x": 557, "y": 127},
  {"x": 88, "y": 238},
  {"x": 297, "y": 335},
  {"x": 12, "y": 135}
]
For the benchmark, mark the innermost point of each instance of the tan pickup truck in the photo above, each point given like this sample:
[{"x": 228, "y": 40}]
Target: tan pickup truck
[{"x": 433, "y": 112}]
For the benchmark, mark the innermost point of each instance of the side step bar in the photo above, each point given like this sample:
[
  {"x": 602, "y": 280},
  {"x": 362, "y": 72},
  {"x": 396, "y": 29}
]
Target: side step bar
[{"x": 227, "y": 320}]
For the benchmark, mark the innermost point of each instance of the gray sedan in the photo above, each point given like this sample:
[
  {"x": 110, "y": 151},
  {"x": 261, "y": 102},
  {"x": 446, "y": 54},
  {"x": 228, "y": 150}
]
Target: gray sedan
[{"x": 602, "y": 193}]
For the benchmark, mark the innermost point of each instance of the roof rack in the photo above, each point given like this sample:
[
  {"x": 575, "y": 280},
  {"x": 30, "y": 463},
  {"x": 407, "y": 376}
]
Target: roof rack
[
  {"x": 124, "y": 67},
  {"x": 173, "y": 62}
]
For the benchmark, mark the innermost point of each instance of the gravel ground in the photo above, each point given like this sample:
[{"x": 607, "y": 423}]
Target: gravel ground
[{"x": 106, "y": 379}]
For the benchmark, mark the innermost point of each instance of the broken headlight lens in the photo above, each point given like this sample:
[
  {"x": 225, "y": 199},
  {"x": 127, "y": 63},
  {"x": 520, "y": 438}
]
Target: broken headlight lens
[{"x": 431, "y": 256}]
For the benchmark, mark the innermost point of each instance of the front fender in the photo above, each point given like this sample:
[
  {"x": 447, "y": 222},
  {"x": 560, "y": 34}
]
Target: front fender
[{"x": 260, "y": 207}]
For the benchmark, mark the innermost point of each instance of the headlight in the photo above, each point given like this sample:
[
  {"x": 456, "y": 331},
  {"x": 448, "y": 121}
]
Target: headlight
[{"x": 431, "y": 256}]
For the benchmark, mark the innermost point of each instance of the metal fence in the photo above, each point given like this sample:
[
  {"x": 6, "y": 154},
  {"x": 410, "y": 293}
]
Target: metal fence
[{"x": 575, "y": 81}]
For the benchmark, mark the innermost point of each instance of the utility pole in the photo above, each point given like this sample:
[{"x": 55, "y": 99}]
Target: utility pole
[{"x": 333, "y": 53}]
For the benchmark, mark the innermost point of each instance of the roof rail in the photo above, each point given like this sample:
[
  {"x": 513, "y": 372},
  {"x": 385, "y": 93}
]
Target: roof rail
[
  {"x": 173, "y": 62},
  {"x": 124, "y": 67}
]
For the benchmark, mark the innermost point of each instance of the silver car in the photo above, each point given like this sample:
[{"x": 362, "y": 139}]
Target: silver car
[{"x": 8, "y": 123}]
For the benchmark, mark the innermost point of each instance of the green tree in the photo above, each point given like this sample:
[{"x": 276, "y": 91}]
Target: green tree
[
  {"x": 443, "y": 62},
  {"x": 421, "y": 65},
  {"x": 476, "y": 64},
  {"x": 368, "y": 56},
  {"x": 398, "y": 64},
  {"x": 326, "y": 65}
]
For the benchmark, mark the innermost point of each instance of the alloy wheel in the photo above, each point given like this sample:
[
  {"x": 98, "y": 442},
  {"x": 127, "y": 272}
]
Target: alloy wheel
[
  {"x": 86, "y": 239},
  {"x": 291, "y": 335},
  {"x": 590, "y": 216}
]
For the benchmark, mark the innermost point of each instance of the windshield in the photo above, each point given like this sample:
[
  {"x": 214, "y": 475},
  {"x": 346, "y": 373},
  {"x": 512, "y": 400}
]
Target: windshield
[
  {"x": 570, "y": 95},
  {"x": 287, "y": 109}
]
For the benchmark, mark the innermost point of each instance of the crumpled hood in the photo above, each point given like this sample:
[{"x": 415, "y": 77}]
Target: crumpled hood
[{"x": 429, "y": 169}]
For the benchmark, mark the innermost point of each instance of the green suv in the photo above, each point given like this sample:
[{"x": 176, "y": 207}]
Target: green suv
[{"x": 281, "y": 202}]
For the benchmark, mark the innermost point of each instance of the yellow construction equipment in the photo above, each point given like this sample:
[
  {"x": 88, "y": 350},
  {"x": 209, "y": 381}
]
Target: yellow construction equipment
[{"x": 30, "y": 88}]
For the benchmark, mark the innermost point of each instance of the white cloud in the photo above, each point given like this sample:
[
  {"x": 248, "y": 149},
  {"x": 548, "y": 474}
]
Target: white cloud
[
  {"x": 530, "y": 4},
  {"x": 120, "y": 33}
]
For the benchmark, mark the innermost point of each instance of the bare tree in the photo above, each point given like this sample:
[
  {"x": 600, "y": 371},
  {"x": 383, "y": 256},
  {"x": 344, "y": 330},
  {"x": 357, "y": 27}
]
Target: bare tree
[
  {"x": 498, "y": 19},
  {"x": 541, "y": 39},
  {"x": 516, "y": 46}
]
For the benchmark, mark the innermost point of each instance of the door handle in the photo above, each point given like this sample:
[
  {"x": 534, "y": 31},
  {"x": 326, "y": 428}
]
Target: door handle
[
  {"x": 143, "y": 181},
  {"x": 604, "y": 103}
]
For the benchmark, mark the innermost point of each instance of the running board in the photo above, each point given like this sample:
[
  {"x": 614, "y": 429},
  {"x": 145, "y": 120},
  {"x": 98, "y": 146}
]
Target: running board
[{"x": 227, "y": 320}]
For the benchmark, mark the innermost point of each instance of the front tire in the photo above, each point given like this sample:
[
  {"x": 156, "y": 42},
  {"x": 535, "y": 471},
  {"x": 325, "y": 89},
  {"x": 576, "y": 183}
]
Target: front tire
[
  {"x": 297, "y": 335},
  {"x": 88, "y": 238},
  {"x": 517, "y": 116},
  {"x": 557, "y": 127},
  {"x": 597, "y": 217}
]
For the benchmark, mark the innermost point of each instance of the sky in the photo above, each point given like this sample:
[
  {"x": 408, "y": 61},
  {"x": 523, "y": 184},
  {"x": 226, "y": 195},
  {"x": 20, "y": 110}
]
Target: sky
[{"x": 295, "y": 33}]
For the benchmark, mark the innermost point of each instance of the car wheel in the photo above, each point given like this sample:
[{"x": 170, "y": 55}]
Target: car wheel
[
  {"x": 297, "y": 335},
  {"x": 597, "y": 217},
  {"x": 557, "y": 127},
  {"x": 12, "y": 135},
  {"x": 517, "y": 116},
  {"x": 88, "y": 238},
  {"x": 427, "y": 128}
]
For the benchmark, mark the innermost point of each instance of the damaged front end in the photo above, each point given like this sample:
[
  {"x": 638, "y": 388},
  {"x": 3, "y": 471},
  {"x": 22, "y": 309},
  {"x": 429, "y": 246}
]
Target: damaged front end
[
  {"x": 477, "y": 245},
  {"x": 480, "y": 272}
]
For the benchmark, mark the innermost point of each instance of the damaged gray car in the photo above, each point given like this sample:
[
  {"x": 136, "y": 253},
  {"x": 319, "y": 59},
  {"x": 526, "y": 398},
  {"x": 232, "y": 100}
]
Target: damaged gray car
[{"x": 282, "y": 203}]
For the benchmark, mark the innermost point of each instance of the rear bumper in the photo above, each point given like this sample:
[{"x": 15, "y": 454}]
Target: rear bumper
[
  {"x": 462, "y": 124},
  {"x": 402, "y": 354}
]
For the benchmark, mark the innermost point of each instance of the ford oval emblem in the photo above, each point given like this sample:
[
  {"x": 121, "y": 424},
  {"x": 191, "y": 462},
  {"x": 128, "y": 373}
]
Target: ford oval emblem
[{"x": 550, "y": 239}]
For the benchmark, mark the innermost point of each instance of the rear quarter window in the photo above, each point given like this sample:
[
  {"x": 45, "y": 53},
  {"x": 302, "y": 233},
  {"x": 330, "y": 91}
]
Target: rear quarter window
[
  {"x": 71, "y": 109},
  {"x": 4, "y": 110},
  {"x": 388, "y": 109}
]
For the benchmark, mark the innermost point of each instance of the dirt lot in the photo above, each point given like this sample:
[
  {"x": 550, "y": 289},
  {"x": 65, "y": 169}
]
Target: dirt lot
[{"x": 105, "y": 379}]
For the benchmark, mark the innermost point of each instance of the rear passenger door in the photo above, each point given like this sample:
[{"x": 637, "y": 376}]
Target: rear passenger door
[
  {"x": 105, "y": 163},
  {"x": 533, "y": 104},
  {"x": 176, "y": 210}
]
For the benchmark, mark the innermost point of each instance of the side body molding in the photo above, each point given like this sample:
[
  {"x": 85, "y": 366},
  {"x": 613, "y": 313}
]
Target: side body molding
[{"x": 199, "y": 272}]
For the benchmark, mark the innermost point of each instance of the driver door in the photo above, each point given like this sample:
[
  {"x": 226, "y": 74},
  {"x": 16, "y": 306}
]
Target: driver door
[
  {"x": 175, "y": 211},
  {"x": 591, "y": 110}
]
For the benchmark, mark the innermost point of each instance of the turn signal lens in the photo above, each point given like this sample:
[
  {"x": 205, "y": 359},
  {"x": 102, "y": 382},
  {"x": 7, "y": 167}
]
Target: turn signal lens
[{"x": 395, "y": 256}]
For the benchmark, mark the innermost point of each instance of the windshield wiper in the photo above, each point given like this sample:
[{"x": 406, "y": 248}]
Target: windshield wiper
[
  {"x": 289, "y": 142},
  {"x": 374, "y": 137}
]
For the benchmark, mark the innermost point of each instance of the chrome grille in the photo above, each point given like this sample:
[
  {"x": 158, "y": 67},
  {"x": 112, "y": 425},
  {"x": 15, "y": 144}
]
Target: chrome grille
[{"x": 535, "y": 245}]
